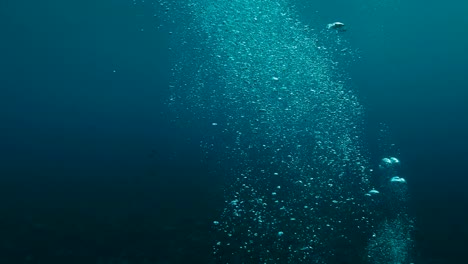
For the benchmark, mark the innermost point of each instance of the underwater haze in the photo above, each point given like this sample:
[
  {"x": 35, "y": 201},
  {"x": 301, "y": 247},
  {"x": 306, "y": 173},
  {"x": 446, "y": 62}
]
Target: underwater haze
[{"x": 241, "y": 131}]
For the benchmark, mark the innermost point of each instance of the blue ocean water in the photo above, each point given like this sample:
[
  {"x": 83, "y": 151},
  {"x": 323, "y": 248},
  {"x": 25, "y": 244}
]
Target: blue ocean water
[{"x": 96, "y": 167}]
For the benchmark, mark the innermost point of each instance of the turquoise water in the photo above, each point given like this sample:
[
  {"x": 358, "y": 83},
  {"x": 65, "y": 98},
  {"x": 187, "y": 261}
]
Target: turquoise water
[{"x": 233, "y": 132}]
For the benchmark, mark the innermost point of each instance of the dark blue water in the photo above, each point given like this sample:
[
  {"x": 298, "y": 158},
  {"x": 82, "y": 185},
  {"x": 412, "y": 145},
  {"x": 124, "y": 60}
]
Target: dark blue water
[{"x": 94, "y": 170}]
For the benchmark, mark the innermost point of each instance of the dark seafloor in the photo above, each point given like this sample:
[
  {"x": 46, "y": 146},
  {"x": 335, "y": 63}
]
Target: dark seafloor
[{"x": 94, "y": 170}]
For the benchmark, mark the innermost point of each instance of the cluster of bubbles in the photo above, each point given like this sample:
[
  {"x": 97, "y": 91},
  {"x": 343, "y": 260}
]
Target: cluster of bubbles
[
  {"x": 392, "y": 242},
  {"x": 280, "y": 117}
]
